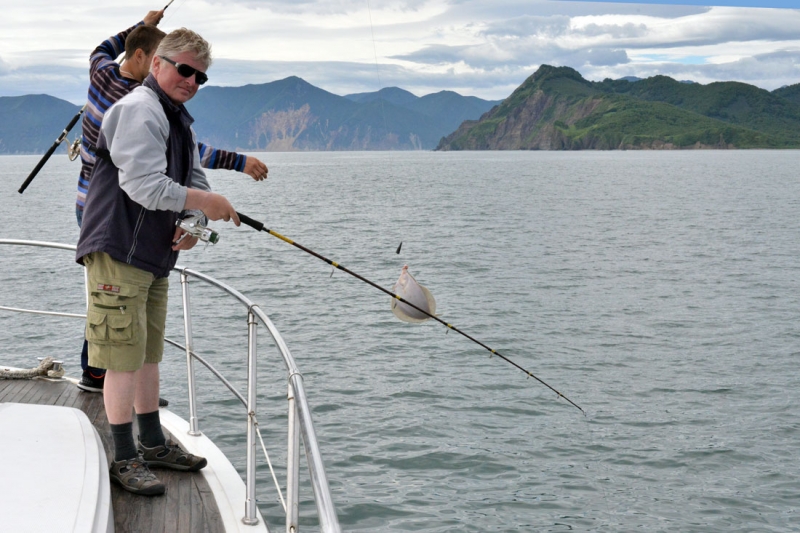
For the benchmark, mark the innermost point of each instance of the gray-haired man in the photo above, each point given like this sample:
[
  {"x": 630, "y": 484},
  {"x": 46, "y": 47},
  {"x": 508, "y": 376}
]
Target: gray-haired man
[{"x": 147, "y": 173}]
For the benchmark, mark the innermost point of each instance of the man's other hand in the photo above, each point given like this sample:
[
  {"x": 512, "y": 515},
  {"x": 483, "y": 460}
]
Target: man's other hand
[
  {"x": 182, "y": 240},
  {"x": 153, "y": 17},
  {"x": 255, "y": 169}
]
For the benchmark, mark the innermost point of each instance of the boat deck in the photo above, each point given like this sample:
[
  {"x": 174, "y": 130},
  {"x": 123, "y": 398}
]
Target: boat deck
[{"x": 188, "y": 506}]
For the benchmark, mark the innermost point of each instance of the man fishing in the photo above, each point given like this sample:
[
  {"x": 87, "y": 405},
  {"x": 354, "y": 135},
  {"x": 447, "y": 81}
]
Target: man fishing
[
  {"x": 147, "y": 172},
  {"x": 110, "y": 81}
]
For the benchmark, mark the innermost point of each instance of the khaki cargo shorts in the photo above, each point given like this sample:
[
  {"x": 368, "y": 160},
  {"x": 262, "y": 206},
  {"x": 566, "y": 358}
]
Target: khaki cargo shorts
[{"x": 127, "y": 314}]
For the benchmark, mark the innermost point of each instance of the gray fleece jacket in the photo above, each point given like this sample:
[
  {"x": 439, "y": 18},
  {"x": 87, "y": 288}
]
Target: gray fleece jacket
[{"x": 148, "y": 159}]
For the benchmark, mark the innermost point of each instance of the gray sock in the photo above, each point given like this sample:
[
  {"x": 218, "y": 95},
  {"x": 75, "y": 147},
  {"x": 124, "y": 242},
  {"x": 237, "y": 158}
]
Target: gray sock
[
  {"x": 150, "y": 433},
  {"x": 124, "y": 447}
]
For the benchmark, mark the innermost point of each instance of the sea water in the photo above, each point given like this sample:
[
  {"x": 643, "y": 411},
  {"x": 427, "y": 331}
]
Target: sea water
[{"x": 660, "y": 291}]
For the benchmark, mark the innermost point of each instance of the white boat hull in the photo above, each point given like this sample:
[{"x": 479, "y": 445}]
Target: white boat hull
[{"x": 55, "y": 472}]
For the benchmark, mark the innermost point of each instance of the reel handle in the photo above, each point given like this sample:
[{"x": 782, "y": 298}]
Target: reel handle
[{"x": 192, "y": 226}]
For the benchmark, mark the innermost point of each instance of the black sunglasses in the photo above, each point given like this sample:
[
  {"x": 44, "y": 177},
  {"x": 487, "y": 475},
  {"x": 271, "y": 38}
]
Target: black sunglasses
[{"x": 186, "y": 71}]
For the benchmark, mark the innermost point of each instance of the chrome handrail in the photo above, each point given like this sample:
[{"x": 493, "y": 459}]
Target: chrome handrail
[{"x": 299, "y": 411}]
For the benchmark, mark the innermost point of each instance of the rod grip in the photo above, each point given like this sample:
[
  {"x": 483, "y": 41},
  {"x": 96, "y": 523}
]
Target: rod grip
[
  {"x": 255, "y": 224},
  {"x": 38, "y": 167}
]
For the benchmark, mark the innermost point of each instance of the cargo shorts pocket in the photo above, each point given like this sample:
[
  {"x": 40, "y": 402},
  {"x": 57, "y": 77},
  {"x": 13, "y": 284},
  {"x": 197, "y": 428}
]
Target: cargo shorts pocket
[
  {"x": 109, "y": 329},
  {"x": 111, "y": 317}
]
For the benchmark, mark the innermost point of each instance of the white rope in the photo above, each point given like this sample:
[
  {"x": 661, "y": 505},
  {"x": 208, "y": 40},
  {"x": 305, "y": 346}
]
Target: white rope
[{"x": 45, "y": 368}]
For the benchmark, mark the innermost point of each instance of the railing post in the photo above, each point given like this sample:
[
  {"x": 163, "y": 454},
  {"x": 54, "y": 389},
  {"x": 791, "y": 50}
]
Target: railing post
[
  {"x": 293, "y": 468},
  {"x": 250, "y": 508},
  {"x": 326, "y": 512},
  {"x": 194, "y": 426}
]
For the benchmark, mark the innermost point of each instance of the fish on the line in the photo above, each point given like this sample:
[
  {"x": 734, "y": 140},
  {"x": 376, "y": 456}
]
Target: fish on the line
[
  {"x": 406, "y": 288},
  {"x": 411, "y": 291}
]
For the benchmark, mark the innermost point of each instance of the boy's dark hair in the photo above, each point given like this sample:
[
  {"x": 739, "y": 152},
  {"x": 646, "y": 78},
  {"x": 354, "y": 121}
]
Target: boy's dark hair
[{"x": 145, "y": 37}]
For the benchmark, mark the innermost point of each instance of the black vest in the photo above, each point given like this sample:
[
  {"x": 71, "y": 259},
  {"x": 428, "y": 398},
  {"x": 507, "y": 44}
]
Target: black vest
[{"x": 122, "y": 228}]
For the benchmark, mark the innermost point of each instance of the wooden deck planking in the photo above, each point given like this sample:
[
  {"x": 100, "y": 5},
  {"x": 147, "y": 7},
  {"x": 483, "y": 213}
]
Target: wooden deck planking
[
  {"x": 187, "y": 507},
  {"x": 17, "y": 388},
  {"x": 41, "y": 395},
  {"x": 30, "y": 394}
]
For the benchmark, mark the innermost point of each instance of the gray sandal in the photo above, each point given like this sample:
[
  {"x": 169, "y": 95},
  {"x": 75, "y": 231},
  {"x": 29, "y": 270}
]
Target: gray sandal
[
  {"x": 134, "y": 476},
  {"x": 171, "y": 455}
]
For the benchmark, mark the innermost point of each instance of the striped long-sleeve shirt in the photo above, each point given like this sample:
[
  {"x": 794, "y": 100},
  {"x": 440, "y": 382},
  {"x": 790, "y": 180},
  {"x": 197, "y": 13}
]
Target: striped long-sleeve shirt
[{"x": 106, "y": 86}]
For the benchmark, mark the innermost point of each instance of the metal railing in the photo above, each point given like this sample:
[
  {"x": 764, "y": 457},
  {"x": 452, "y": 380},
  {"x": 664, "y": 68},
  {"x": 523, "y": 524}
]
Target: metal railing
[{"x": 299, "y": 413}]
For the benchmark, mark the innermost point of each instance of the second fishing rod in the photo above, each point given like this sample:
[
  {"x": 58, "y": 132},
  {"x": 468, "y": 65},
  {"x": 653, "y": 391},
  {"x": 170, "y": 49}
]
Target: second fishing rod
[{"x": 259, "y": 226}]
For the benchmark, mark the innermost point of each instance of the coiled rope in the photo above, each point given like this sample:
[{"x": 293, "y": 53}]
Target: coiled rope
[{"x": 46, "y": 368}]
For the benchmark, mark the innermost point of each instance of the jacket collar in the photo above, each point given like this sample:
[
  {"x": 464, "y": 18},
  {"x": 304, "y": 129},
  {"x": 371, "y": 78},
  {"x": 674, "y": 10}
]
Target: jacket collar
[{"x": 179, "y": 110}]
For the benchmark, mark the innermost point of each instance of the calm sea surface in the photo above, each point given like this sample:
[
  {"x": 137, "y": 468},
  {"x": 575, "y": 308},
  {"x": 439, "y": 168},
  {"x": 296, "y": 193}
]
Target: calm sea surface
[{"x": 659, "y": 291}]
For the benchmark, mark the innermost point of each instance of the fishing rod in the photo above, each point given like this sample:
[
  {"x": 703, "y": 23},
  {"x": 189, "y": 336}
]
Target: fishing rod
[
  {"x": 258, "y": 226},
  {"x": 52, "y": 149}
]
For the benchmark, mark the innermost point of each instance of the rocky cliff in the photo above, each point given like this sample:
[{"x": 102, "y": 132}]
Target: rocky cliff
[{"x": 557, "y": 109}]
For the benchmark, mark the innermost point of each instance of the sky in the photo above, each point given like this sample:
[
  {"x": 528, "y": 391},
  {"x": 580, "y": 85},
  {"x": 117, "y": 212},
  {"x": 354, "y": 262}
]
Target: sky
[{"x": 483, "y": 48}]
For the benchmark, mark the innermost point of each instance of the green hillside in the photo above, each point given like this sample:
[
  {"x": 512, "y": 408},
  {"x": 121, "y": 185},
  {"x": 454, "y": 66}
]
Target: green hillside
[
  {"x": 626, "y": 123},
  {"x": 556, "y": 108},
  {"x": 790, "y": 92},
  {"x": 732, "y": 102}
]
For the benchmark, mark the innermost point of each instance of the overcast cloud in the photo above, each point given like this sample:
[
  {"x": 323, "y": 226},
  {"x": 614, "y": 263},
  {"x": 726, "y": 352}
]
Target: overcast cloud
[{"x": 474, "y": 47}]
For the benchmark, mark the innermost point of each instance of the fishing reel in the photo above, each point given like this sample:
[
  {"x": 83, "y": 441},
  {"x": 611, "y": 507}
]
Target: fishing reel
[
  {"x": 74, "y": 149},
  {"x": 194, "y": 227}
]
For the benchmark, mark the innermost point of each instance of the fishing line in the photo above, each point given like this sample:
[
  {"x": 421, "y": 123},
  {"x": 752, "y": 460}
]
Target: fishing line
[
  {"x": 380, "y": 86},
  {"x": 172, "y": 11},
  {"x": 377, "y": 70},
  {"x": 255, "y": 224}
]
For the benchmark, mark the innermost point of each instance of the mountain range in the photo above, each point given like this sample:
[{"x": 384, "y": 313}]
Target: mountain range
[
  {"x": 557, "y": 109},
  {"x": 554, "y": 109},
  {"x": 285, "y": 115},
  {"x": 292, "y": 114}
]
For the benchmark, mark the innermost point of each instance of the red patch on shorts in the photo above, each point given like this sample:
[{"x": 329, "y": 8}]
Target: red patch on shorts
[{"x": 107, "y": 288}]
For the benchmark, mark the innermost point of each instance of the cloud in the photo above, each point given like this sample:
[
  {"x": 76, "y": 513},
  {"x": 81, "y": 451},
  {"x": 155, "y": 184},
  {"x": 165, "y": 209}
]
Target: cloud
[
  {"x": 629, "y": 30},
  {"x": 733, "y": 3},
  {"x": 67, "y": 83},
  {"x": 472, "y": 46},
  {"x": 522, "y": 53},
  {"x": 605, "y": 57},
  {"x": 319, "y": 7},
  {"x": 527, "y": 26},
  {"x": 768, "y": 71}
]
